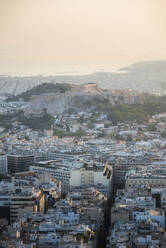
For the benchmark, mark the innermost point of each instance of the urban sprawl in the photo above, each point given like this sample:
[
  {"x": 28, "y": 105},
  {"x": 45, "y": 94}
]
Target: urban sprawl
[{"x": 105, "y": 186}]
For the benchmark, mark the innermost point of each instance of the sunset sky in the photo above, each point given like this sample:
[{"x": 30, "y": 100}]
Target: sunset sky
[{"x": 80, "y": 32}]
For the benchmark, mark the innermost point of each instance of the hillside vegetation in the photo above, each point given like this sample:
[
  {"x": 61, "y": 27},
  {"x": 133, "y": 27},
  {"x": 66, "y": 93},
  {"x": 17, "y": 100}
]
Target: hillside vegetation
[
  {"x": 41, "y": 89},
  {"x": 119, "y": 113},
  {"x": 40, "y": 122},
  {"x": 134, "y": 112}
]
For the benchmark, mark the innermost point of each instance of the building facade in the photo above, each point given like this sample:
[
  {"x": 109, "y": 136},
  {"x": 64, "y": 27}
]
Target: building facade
[{"x": 19, "y": 163}]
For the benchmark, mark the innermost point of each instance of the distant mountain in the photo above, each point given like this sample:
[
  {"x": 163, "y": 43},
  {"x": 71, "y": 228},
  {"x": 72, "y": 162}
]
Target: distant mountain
[
  {"x": 149, "y": 77},
  {"x": 146, "y": 66}
]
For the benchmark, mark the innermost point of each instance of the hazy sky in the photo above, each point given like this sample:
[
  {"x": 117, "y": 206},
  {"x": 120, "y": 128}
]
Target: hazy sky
[{"x": 81, "y": 32}]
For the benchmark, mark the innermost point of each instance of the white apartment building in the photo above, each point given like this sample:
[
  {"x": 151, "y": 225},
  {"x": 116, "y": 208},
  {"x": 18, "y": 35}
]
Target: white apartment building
[
  {"x": 58, "y": 172},
  {"x": 90, "y": 176}
]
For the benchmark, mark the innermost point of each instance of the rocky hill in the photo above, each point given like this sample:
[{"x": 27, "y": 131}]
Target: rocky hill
[
  {"x": 45, "y": 88},
  {"x": 81, "y": 98}
]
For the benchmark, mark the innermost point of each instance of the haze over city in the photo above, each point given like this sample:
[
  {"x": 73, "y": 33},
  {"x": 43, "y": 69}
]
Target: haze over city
[
  {"x": 73, "y": 37},
  {"x": 82, "y": 124}
]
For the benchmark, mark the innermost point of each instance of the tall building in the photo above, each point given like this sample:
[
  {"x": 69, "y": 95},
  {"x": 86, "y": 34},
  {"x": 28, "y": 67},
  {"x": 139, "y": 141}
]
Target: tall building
[
  {"x": 3, "y": 165},
  {"x": 19, "y": 163}
]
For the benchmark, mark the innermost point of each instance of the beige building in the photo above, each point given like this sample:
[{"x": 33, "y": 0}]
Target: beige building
[
  {"x": 25, "y": 202},
  {"x": 149, "y": 182},
  {"x": 153, "y": 176},
  {"x": 119, "y": 214}
]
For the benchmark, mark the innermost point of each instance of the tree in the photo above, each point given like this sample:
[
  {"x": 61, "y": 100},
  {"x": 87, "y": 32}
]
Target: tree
[
  {"x": 58, "y": 132},
  {"x": 81, "y": 119},
  {"x": 107, "y": 125},
  {"x": 80, "y": 133},
  {"x": 163, "y": 134},
  {"x": 27, "y": 138},
  {"x": 67, "y": 129},
  {"x": 151, "y": 128},
  {"x": 101, "y": 135},
  {"x": 90, "y": 125},
  {"x": 129, "y": 138}
]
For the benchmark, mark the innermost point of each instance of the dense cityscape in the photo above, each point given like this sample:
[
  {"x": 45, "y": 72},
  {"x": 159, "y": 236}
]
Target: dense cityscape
[
  {"x": 83, "y": 178},
  {"x": 82, "y": 124}
]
